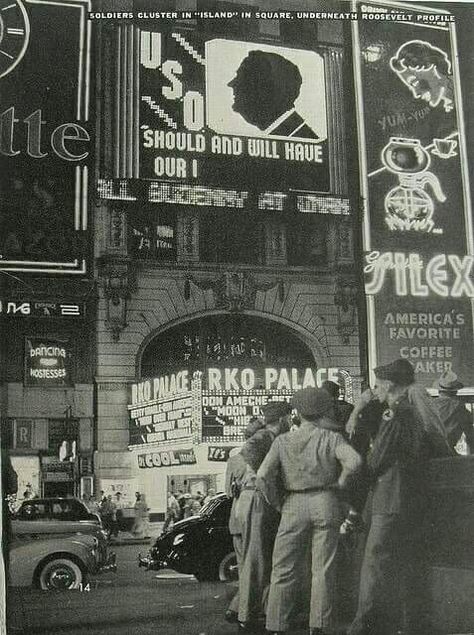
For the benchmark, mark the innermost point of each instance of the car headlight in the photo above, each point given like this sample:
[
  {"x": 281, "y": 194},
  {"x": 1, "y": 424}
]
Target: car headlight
[
  {"x": 104, "y": 534},
  {"x": 178, "y": 539}
]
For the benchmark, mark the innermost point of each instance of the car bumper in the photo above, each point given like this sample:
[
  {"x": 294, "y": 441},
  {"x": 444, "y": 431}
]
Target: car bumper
[
  {"x": 110, "y": 565},
  {"x": 151, "y": 564}
]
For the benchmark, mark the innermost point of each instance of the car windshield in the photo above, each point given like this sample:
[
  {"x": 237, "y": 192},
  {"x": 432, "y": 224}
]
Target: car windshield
[
  {"x": 68, "y": 509},
  {"x": 33, "y": 511},
  {"x": 209, "y": 508}
]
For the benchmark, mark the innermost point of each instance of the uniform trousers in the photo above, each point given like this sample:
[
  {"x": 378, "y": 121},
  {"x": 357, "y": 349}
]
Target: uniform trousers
[
  {"x": 235, "y": 530},
  {"x": 310, "y": 518},
  {"x": 259, "y": 523},
  {"x": 237, "y": 540}
]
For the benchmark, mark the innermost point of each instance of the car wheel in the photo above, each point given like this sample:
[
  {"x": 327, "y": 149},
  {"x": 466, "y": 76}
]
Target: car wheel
[
  {"x": 205, "y": 575},
  {"x": 60, "y": 573},
  {"x": 228, "y": 568}
]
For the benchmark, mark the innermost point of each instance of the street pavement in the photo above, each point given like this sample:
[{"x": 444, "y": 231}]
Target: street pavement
[{"x": 131, "y": 601}]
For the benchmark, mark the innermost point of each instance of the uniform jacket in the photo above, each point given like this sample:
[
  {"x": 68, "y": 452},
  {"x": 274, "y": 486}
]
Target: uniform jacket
[
  {"x": 307, "y": 459},
  {"x": 256, "y": 448},
  {"x": 456, "y": 420},
  {"x": 234, "y": 475},
  {"x": 395, "y": 460}
]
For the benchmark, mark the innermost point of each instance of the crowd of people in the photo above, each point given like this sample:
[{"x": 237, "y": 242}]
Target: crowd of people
[
  {"x": 311, "y": 473},
  {"x": 110, "y": 509},
  {"x": 182, "y": 505}
]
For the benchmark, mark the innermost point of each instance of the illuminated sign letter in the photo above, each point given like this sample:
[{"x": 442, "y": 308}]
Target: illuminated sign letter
[
  {"x": 247, "y": 379},
  {"x": 150, "y": 49},
  {"x": 377, "y": 264},
  {"x": 436, "y": 275},
  {"x": 463, "y": 283},
  {"x": 171, "y": 69},
  {"x": 271, "y": 376},
  {"x": 34, "y": 123},
  {"x": 308, "y": 379},
  {"x": 416, "y": 266},
  {"x": 230, "y": 379},
  {"x": 59, "y": 136},
  {"x": 7, "y": 125},
  {"x": 214, "y": 379},
  {"x": 400, "y": 264}
]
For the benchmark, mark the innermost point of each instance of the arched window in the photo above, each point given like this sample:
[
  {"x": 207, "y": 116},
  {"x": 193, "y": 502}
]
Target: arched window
[{"x": 236, "y": 340}]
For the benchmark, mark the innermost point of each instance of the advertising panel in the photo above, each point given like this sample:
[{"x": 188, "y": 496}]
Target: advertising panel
[
  {"x": 47, "y": 362},
  {"x": 248, "y": 134},
  {"x": 163, "y": 421},
  {"x": 23, "y": 433},
  {"x": 417, "y": 232},
  {"x": 226, "y": 415},
  {"x": 258, "y": 121},
  {"x": 166, "y": 458},
  {"x": 219, "y": 453},
  {"x": 41, "y": 309},
  {"x": 45, "y": 139}
]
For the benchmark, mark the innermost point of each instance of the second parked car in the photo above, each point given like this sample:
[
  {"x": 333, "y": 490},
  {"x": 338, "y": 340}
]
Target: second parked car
[
  {"x": 42, "y": 518},
  {"x": 59, "y": 563},
  {"x": 200, "y": 545}
]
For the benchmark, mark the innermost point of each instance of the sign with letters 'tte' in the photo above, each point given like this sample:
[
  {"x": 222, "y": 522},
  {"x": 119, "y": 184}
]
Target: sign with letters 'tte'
[{"x": 45, "y": 136}]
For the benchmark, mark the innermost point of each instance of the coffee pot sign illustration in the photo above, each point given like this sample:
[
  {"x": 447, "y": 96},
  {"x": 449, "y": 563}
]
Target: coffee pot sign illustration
[{"x": 408, "y": 206}]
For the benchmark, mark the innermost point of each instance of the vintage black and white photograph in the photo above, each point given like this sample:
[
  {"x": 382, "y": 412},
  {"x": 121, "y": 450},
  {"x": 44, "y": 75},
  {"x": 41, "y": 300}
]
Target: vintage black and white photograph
[{"x": 236, "y": 317}]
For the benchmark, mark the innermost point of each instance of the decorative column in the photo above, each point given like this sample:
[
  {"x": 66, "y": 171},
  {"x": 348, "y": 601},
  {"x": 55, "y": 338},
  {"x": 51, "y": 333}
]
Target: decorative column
[
  {"x": 275, "y": 243},
  {"x": 188, "y": 236}
]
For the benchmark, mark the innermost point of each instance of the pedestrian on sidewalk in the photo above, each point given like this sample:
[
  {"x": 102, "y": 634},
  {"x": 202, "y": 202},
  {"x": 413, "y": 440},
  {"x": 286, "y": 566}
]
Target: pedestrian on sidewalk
[
  {"x": 173, "y": 512},
  {"x": 141, "y": 524},
  {"x": 210, "y": 493},
  {"x": 108, "y": 514},
  {"x": 119, "y": 505}
]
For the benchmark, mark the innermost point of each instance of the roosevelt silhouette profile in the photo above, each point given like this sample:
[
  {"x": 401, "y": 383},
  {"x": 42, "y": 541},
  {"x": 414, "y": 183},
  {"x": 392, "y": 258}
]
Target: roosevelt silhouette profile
[{"x": 266, "y": 87}]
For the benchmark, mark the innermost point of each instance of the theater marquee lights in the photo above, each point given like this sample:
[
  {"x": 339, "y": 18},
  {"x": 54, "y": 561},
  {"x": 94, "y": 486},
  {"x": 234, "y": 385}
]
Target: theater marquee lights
[
  {"x": 215, "y": 405},
  {"x": 199, "y": 196},
  {"x": 417, "y": 231}
]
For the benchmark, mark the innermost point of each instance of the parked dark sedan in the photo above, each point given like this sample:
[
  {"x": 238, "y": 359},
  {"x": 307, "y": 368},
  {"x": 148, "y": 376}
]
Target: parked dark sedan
[
  {"x": 63, "y": 509},
  {"x": 200, "y": 545}
]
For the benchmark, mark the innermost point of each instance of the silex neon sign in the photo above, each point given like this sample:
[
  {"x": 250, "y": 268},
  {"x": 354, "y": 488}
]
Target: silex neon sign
[
  {"x": 407, "y": 205},
  {"x": 413, "y": 276}
]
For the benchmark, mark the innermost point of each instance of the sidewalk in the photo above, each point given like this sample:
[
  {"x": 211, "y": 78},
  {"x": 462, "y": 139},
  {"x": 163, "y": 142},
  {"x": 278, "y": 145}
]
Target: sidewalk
[{"x": 127, "y": 538}]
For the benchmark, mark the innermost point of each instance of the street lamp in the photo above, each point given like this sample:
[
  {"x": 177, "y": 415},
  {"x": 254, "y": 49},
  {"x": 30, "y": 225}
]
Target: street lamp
[{"x": 116, "y": 279}]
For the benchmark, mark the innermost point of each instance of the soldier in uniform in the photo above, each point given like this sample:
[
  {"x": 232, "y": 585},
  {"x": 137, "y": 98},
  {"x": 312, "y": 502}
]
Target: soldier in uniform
[
  {"x": 455, "y": 417},
  {"x": 393, "y": 559},
  {"x": 234, "y": 475},
  {"x": 301, "y": 476},
  {"x": 258, "y": 520}
]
